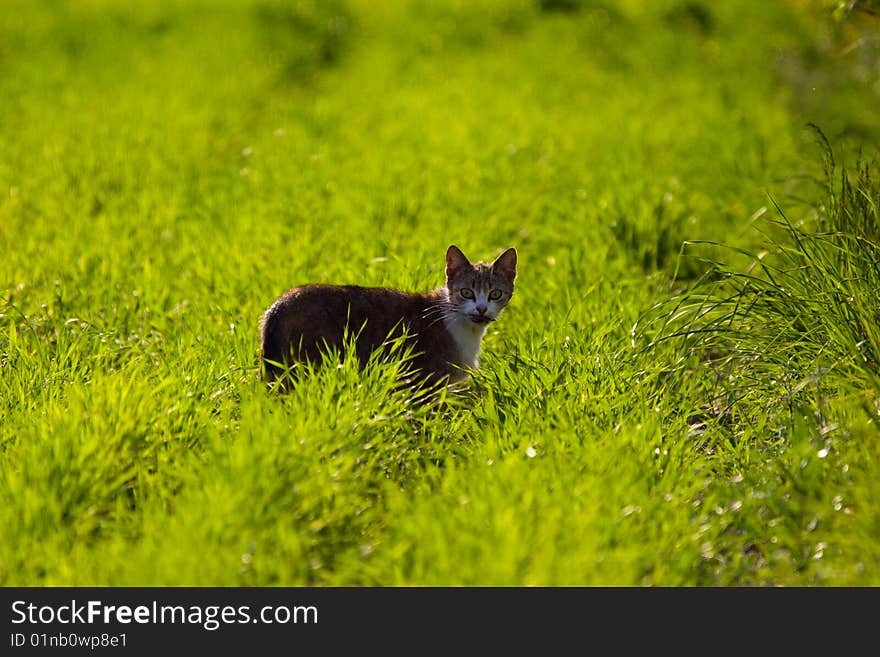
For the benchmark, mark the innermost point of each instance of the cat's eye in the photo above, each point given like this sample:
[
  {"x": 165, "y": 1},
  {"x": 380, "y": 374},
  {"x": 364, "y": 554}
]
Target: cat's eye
[
  {"x": 494, "y": 295},
  {"x": 467, "y": 293}
]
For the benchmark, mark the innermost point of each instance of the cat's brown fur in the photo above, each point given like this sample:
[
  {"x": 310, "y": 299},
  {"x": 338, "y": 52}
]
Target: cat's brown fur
[{"x": 443, "y": 327}]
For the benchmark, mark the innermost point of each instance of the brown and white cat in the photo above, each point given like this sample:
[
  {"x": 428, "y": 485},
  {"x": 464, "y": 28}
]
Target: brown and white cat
[{"x": 444, "y": 327}]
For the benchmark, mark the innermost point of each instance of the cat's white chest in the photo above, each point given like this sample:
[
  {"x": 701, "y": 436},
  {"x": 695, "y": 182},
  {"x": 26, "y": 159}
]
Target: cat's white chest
[{"x": 467, "y": 336}]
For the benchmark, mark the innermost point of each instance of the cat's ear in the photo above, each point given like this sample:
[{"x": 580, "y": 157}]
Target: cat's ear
[
  {"x": 506, "y": 264},
  {"x": 456, "y": 261}
]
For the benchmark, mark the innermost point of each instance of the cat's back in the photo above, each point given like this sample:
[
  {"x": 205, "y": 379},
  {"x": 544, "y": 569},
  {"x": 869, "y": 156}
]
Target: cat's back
[
  {"x": 305, "y": 320},
  {"x": 335, "y": 303}
]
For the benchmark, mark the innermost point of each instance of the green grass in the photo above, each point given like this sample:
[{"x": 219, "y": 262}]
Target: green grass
[{"x": 683, "y": 390}]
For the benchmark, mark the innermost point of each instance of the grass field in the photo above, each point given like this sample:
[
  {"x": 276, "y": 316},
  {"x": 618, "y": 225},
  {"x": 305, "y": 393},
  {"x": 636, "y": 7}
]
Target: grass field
[{"x": 683, "y": 391}]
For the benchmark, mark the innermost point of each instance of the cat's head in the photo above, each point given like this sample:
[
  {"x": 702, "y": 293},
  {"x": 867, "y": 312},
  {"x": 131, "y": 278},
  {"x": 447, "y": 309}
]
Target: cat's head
[{"x": 479, "y": 292}]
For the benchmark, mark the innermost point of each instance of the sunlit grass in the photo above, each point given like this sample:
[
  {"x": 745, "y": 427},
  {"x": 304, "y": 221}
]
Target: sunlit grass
[{"x": 168, "y": 169}]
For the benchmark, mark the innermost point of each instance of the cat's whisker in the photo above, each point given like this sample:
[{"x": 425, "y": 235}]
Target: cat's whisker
[
  {"x": 437, "y": 313},
  {"x": 430, "y": 312},
  {"x": 443, "y": 317},
  {"x": 449, "y": 314}
]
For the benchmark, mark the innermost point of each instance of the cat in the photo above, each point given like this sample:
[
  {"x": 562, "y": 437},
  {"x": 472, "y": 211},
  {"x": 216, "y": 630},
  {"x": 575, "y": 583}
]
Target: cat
[{"x": 444, "y": 327}]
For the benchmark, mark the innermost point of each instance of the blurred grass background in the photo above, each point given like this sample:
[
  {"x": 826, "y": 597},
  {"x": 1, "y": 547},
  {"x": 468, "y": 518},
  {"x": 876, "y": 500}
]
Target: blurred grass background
[{"x": 168, "y": 167}]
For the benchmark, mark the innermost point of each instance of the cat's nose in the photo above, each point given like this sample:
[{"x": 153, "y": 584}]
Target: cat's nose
[{"x": 481, "y": 308}]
